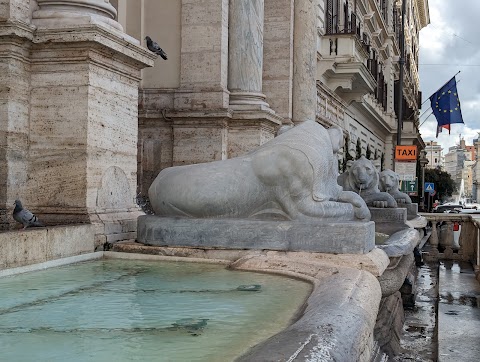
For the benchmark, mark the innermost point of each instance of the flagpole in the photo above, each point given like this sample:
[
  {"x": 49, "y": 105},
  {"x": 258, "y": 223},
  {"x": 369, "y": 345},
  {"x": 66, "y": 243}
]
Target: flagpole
[
  {"x": 401, "y": 75},
  {"x": 425, "y": 120}
]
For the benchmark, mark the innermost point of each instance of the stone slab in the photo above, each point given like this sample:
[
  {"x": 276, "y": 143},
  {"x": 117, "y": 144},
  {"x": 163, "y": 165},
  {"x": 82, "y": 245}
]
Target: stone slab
[
  {"x": 37, "y": 245},
  {"x": 401, "y": 243},
  {"x": 345, "y": 237},
  {"x": 412, "y": 210},
  {"x": 51, "y": 264},
  {"x": 392, "y": 215},
  {"x": 389, "y": 220}
]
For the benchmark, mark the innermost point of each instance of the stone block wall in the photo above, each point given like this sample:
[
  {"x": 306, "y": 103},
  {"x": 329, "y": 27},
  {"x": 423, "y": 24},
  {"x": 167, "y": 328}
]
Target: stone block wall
[
  {"x": 26, "y": 247},
  {"x": 69, "y": 105}
]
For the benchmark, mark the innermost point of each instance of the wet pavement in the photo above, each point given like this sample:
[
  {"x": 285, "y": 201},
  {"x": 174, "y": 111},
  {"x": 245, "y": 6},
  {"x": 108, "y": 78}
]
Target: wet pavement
[
  {"x": 458, "y": 313},
  {"x": 419, "y": 342},
  {"x": 444, "y": 326}
]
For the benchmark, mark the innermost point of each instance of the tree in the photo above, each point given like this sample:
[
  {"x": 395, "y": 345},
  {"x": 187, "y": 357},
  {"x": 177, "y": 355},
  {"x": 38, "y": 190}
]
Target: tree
[
  {"x": 444, "y": 185},
  {"x": 368, "y": 152},
  {"x": 358, "y": 150},
  {"x": 346, "y": 154}
]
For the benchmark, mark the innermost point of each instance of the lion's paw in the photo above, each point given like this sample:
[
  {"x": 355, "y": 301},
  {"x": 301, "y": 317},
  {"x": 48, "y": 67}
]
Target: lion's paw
[{"x": 380, "y": 204}]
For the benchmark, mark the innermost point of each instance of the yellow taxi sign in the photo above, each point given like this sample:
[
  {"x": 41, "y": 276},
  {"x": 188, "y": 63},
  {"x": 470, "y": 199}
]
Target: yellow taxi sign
[{"x": 405, "y": 153}]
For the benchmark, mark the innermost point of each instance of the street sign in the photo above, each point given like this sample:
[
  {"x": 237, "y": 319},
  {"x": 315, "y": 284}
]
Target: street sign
[
  {"x": 406, "y": 170},
  {"x": 409, "y": 187},
  {"x": 405, "y": 153},
  {"x": 429, "y": 187}
]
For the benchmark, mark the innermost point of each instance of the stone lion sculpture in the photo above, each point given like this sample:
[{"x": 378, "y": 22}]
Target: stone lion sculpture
[
  {"x": 291, "y": 177},
  {"x": 362, "y": 177},
  {"x": 389, "y": 183}
]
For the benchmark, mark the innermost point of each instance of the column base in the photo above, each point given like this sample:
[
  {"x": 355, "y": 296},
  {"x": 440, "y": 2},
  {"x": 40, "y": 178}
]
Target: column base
[{"x": 245, "y": 101}]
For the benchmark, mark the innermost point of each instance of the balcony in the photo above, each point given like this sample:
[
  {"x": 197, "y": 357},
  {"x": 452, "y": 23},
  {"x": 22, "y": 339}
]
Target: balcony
[{"x": 342, "y": 65}]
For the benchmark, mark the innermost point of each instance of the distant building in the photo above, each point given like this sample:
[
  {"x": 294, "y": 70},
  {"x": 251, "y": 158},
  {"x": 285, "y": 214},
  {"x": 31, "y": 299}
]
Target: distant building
[
  {"x": 476, "y": 171},
  {"x": 434, "y": 154},
  {"x": 460, "y": 164}
]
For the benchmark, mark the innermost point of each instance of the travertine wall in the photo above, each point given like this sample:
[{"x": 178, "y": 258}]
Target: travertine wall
[
  {"x": 15, "y": 42},
  {"x": 69, "y": 125},
  {"x": 204, "y": 55},
  {"x": 162, "y": 21},
  {"x": 210, "y": 85},
  {"x": 196, "y": 119},
  {"x": 33, "y": 246},
  {"x": 18, "y": 10},
  {"x": 278, "y": 56}
]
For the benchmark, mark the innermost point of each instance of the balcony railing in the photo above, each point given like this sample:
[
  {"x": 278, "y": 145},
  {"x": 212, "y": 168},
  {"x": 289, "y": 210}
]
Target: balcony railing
[
  {"x": 350, "y": 26},
  {"x": 454, "y": 237}
]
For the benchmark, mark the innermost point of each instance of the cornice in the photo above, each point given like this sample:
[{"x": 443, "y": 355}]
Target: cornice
[{"x": 423, "y": 12}]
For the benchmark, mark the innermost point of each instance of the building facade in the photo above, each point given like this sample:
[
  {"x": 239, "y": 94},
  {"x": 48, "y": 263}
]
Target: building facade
[
  {"x": 460, "y": 163},
  {"x": 236, "y": 71},
  {"x": 434, "y": 154},
  {"x": 476, "y": 171}
]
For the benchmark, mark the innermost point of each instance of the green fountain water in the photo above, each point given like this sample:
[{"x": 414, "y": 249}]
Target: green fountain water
[{"x": 116, "y": 310}]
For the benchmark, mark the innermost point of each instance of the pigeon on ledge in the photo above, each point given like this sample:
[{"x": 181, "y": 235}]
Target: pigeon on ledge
[
  {"x": 155, "y": 48},
  {"x": 25, "y": 216}
]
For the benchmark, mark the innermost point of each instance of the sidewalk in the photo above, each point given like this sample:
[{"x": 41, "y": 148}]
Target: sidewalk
[{"x": 458, "y": 313}]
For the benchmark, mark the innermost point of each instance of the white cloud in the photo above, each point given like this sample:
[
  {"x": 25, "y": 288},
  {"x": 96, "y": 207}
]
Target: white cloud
[
  {"x": 452, "y": 41},
  {"x": 433, "y": 38}
]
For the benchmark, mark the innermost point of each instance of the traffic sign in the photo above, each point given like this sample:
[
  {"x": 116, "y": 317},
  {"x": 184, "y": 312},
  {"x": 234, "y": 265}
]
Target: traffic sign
[
  {"x": 409, "y": 187},
  {"x": 429, "y": 187},
  {"x": 406, "y": 170}
]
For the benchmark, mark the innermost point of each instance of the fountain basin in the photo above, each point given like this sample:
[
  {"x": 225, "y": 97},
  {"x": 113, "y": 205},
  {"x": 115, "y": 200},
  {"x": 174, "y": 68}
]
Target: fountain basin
[{"x": 125, "y": 310}]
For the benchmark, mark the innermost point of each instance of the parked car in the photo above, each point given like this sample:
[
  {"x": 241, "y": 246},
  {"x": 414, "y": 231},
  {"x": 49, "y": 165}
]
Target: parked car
[{"x": 448, "y": 208}]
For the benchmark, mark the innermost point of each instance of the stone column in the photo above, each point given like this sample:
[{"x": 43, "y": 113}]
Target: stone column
[
  {"x": 83, "y": 126},
  {"x": 304, "y": 62},
  {"x": 245, "y": 54}
]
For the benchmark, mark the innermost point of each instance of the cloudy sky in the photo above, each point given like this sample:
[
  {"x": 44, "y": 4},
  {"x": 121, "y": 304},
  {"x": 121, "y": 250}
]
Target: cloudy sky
[{"x": 451, "y": 43}]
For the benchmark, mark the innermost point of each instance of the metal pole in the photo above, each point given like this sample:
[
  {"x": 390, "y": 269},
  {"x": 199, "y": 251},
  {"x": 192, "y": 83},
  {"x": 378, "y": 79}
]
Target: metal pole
[
  {"x": 422, "y": 199},
  {"x": 477, "y": 267},
  {"x": 400, "y": 81}
]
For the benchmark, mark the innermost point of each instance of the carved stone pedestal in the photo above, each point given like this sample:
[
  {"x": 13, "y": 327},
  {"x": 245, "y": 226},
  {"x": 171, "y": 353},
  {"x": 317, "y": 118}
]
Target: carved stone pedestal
[
  {"x": 321, "y": 236},
  {"x": 83, "y": 129}
]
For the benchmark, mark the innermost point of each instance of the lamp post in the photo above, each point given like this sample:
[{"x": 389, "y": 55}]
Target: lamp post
[{"x": 423, "y": 162}]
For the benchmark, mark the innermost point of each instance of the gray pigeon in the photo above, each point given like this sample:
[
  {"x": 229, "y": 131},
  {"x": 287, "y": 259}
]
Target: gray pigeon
[
  {"x": 25, "y": 216},
  {"x": 155, "y": 48}
]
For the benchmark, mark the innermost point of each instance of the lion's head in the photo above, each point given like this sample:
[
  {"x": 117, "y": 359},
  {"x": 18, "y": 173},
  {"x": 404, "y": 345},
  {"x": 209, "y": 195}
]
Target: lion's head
[
  {"x": 363, "y": 174},
  {"x": 389, "y": 181}
]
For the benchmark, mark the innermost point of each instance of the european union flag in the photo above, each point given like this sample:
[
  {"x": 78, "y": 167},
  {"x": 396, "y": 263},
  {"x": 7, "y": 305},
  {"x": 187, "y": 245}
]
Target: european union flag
[{"x": 446, "y": 105}]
